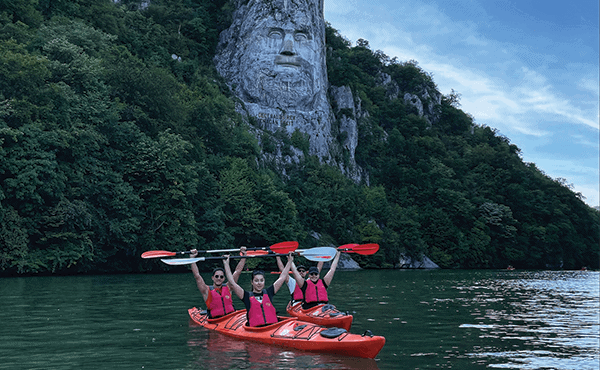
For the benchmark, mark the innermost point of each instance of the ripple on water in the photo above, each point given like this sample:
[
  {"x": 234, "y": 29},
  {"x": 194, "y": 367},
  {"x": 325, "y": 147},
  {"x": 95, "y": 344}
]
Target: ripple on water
[{"x": 552, "y": 310}]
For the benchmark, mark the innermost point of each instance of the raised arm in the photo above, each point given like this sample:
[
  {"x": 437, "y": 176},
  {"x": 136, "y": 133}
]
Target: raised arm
[
  {"x": 202, "y": 287},
  {"x": 239, "y": 292},
  {"x": 280, "y": 266},
  {"x": 240, "y": 265},
  {"x": 299, "y": 279},
  {"x": 329, "y": 276},
  {"x": 284, "y": 274}
]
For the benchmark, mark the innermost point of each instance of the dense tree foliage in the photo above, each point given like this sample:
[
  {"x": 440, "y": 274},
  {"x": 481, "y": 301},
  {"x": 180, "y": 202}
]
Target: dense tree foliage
[{"x": 117, "y": 136}]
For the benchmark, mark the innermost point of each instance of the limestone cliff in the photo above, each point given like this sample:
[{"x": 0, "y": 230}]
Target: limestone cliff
[
  {"x": 273, "y": 59},
  {"x": 423, "y": 98}
]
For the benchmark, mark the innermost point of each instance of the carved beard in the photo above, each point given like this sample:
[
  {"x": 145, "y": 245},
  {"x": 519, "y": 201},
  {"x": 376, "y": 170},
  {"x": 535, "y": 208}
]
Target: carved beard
[{"x": 280, "y": 87}]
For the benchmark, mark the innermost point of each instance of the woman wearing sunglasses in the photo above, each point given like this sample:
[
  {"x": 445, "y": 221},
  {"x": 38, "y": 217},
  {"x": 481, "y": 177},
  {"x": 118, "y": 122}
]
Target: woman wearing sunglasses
[
  {"x": 259, "y": 307},
  {"x": 315, "y": 288},
  {"x": 295, "y": 291},
  {"x": 217, "y": 296}
]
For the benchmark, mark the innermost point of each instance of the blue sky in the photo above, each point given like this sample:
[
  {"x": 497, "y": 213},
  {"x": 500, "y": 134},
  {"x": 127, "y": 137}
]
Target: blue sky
[{"x": 528, "y": 68}]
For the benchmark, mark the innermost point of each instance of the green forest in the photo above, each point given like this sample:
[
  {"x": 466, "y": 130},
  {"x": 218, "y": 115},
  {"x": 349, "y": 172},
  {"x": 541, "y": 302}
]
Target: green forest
[{"x": 118, "y": 136}]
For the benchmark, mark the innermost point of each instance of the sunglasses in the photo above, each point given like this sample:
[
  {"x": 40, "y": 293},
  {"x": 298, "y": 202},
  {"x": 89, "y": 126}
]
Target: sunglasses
[
  {"x": 314, "y": 273},
  {"x": 219, "y": 276},
  {"x": 301, "y": 271}
]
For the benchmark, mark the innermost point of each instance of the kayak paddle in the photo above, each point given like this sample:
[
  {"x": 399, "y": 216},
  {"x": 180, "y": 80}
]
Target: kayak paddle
[
  {"x": 314, "y": 254},
  {"x": 364, "y": 249},
  {"x": 283, "y": 248},
  {"x": 318, "y": 254}
]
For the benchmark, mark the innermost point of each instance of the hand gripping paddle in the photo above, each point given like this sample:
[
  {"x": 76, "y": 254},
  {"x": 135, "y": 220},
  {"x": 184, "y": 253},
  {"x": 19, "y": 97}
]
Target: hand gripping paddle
[{"x": 314, "y": 254}]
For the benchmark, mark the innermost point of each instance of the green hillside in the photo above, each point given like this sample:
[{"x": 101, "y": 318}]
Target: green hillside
[{"x": 118, "y": 136}]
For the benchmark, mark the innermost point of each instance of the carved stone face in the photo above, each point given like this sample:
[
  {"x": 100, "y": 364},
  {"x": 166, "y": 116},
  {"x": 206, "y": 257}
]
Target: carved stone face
[{"x": 280, "y": 56}]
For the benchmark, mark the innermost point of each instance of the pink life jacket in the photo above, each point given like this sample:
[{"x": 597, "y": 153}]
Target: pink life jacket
[
  {"x": 297, "y": 295},
  {"x": 261, "y": 313},
  {"x": 221, "y": 304},
  {"x": 315, "y": 292}
]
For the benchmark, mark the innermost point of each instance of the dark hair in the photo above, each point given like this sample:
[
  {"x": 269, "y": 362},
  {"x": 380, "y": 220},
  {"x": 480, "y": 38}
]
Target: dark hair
[
  {"x": 218, "y": 269},
  {"x": 257, "y": 272}
]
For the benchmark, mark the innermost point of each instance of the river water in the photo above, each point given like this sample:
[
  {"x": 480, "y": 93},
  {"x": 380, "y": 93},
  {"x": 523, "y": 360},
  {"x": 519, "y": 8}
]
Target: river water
[{"x": 441, "y": 319}]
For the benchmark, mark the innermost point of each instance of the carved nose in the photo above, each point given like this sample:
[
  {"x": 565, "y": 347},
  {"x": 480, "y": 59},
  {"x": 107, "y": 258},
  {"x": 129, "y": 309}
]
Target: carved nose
[{"x": 288, "y": 46}]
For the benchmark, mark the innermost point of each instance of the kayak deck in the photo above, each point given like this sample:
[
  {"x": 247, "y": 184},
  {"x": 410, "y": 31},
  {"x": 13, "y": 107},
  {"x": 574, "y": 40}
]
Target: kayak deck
[
  {"x": 293, "y": 333},
  {"x": 323, "y": 314}
]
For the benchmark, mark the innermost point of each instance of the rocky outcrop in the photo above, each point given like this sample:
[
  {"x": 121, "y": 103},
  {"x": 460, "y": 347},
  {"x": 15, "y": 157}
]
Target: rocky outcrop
[
  {"x": 426, "y": 104},
  {"x": 423, "y": 262},
  {"x": 141, "y": 5},
  {"x": 425, "y": 100},
  {"x": 346, "y": 111},
  {"x": 392, "y": 90},
  {"x": 345, "y": 263}
]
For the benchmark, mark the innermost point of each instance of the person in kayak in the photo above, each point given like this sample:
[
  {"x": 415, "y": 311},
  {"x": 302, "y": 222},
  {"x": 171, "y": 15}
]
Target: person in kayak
[
  {"x": 315, "y": 289},
  {"x": 259, "y": 302},
  {"x": 295, "y": 291},
  {"x": 217, "y": 296}
]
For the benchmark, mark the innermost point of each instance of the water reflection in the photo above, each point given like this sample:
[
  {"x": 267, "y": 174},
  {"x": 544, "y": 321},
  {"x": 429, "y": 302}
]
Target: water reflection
[
  {"x": 214, "y": 350},
  {"x": 548, "y": 320}
]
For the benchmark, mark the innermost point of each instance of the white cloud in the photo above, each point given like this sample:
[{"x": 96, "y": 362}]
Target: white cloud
[
  {"x": 531, "y": 98},
  {"x": 590, "y": 192},
  {"x": 526, "y": 130},
  {"x": 523, "y": 126},
  {"x": 340, "y": 7},
  {"x": 472, "y": 40},
  {"x": 460, "y": 77},
  {"x": 566, "y": 166},
  {"x": 537, "y": 94},
  {"x": 590, "y": 84},
  {"x": 583, "y": 140}
]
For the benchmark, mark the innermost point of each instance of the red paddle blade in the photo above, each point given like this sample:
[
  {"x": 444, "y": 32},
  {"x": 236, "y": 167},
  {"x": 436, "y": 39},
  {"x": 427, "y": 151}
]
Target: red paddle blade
[
  {"x": 158, "y": 254},
  {"x": 256, "y": 253},
  {"x": 284, "y": 247},
  {"x": 364, "y": 249},
  {"x": 348, "y": 247}
]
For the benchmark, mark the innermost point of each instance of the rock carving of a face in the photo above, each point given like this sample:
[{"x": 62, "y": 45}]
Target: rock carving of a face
[{"x": 280, "y": 54}]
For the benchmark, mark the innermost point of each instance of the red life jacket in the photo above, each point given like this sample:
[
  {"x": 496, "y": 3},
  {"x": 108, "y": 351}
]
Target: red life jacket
[
  {"x": 297, "y": 295},
  {"x": 315, "y": 292},
  {"x": 221, "y": 304},
  {"x": 261, "y": 313}
]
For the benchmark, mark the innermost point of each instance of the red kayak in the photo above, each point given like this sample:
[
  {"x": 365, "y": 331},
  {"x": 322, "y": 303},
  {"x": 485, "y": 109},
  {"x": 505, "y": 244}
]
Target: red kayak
[
  {"x": 323, "y": 314},
  {"x": 293, "y": 333}
]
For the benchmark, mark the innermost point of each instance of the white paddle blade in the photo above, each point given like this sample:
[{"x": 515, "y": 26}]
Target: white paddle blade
[
  {"x": 183, "y": 261},
  {"x": 319, "y": 254}
]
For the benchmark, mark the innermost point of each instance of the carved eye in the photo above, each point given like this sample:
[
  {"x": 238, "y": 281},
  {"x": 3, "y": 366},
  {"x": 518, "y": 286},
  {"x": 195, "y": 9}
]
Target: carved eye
[
  {"x": 300, "y": 36},
  {"x": 276, "y": 34}
]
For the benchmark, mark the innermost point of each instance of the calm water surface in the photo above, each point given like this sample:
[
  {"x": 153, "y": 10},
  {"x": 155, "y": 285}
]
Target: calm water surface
[{"x": 431, "y": 320}]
